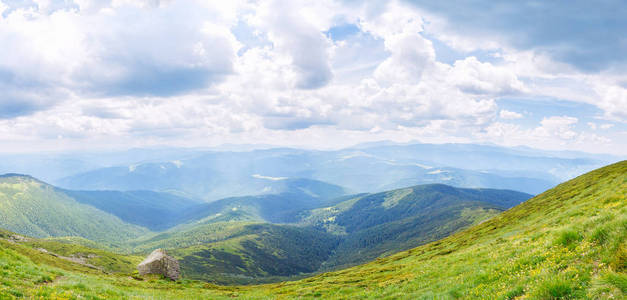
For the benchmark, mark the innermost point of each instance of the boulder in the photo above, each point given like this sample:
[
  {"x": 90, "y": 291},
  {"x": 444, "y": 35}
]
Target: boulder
[{"x": 158, "y": 262}]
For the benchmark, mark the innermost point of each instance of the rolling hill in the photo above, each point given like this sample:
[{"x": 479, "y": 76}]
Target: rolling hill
[
  {"x": 295, "y": 196},
  {"x": 237, "y": 240},
  {"x": 242, "y": 252},
  {"x": 388, "y": 222},
  {"x": 569, "y": 242},
  {"x": 257, "y": 253},
  {"x": 31, "y": 207},
  {"x": 226, "y": 243},
  {"x": 153, "y": 210}
]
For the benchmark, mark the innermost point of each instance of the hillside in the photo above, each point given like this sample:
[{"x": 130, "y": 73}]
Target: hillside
[
  {"x": 153, "y": 210},
  {"x": 567, "y": 243},
  {"x": 388, "y": 222},
  {"x": 257, "y": 253},
  {"x": 296, "y": 195},
  {"x": 34, "y": 208},
  {"x": 242, "y": 251},
  {"x": 228, "y": 244},
  {"x": 92, "y": 257}
]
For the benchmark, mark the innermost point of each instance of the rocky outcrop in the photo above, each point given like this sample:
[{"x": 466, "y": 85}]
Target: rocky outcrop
[
  {"x": 158, "y": 262},
  {"x": 15, "y": 238},
  {"x": 78, "y": 258}
]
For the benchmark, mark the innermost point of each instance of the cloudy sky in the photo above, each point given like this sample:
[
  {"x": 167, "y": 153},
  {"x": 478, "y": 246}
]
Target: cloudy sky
[{"x": 93, "y": 74}]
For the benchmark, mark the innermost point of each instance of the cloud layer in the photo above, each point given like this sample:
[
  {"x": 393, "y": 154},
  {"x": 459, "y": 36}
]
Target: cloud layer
[{"x": 322, "y": 73}]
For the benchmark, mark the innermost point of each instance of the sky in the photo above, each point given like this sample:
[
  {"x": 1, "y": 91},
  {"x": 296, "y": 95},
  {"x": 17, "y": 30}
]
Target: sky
[{"x": 114, "y": 74}]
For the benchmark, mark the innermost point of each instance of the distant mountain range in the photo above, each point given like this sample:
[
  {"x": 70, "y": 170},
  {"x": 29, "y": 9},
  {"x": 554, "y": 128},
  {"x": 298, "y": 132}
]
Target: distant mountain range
[{"x": 209, "y": 175}]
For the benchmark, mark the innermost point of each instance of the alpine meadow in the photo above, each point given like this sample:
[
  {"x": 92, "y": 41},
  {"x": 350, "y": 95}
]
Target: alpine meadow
[{"x": 275, "y": 149}]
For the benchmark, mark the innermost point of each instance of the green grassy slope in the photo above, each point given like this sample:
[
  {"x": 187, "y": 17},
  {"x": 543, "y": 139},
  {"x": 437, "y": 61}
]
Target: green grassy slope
[
  {"x": 192, "y": 235},
  {"x": 567, "y": 243},
  {"x": 72, "y": 256},
  {"x": 106, "y": 261},
  {"x": 26, "y": 272},
  {"x": 31, "y": 207}
]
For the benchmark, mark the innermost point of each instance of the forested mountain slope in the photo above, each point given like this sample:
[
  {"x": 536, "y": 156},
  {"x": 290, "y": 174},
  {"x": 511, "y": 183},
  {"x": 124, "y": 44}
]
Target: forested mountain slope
[
  {"x": 230, "y": 245},
  {"x": 31, "y": 207},
  {"x": 153, "y": 210},
  {"x": 388, "y": 222},
  {"x": 296, "y": 195}
]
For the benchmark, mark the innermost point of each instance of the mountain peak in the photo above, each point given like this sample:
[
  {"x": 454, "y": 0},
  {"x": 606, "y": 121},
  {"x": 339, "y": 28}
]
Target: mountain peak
[
  {"x": 7, "y": 175},
  {"x": 22, "y": 177}
]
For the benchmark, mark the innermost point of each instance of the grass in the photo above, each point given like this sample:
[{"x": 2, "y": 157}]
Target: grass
[
  {"x": 567, "y": 243},
  {"x": 568, "y": 238},
  {"x": 556, "y": 288},
  {"x": 617, "y": 280},
  {"x": 515, "y": 292},
  {"x": 108, "y": 261}
]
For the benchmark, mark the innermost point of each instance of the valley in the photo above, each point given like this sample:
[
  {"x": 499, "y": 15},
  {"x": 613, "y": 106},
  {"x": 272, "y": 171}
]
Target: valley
[
  {"x": 568, "y": 242},
  {"x": 310, "y": 227}
]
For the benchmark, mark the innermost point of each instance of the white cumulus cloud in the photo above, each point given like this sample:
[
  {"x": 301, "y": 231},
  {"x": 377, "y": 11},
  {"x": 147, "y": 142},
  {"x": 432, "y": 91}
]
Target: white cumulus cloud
[
  {"x": 193, "y": 72},
  {"x": 509, "y": 115}
]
